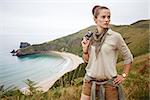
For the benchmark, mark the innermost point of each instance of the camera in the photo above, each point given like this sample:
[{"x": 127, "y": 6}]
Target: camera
[{"x": 88, "y": 35}]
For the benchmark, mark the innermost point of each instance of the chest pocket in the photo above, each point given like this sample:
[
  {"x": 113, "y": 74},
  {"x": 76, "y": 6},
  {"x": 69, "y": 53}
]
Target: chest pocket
[{"x": 108, "y": 47}]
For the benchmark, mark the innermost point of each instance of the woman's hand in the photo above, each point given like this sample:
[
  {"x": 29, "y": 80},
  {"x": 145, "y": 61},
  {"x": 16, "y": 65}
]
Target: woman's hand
[
  {"x": 119, "y": 79},
  {"x": 85, "y": 44}
]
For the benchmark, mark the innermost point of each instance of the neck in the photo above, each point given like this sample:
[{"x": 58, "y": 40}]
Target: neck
[{"x": 100, "y": 30}]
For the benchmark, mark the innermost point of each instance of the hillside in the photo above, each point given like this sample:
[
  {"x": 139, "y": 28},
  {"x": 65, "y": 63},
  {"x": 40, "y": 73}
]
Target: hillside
[
  {"x": 135, "y": 35},
  {"x": 135, "y": 85}
]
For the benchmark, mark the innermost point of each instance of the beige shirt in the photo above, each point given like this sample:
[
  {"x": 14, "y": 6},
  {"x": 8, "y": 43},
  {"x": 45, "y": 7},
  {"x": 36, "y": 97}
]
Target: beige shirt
[{"x": 104, "y": 66}]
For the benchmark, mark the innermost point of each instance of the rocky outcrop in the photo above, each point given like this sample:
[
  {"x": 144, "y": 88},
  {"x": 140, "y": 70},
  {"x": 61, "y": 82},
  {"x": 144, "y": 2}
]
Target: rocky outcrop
[
  {"x": 24, "y": 44},
  {"x": 23, "y": 50},
  {"x": 13, "y": 52},
  {"x": 26, "y": 51}
]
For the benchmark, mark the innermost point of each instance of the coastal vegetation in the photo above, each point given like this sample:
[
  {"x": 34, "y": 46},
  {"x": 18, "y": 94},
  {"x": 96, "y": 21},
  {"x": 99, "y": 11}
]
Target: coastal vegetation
[{"x": 69, "y": 86}]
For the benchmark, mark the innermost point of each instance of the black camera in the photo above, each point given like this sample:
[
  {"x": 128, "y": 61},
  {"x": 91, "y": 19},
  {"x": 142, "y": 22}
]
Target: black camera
[{"x": 88, "y": 35}]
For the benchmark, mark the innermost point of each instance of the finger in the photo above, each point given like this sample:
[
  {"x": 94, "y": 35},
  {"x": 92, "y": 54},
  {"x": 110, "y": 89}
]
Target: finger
[
  {"x": 83, "y": 42},
  {"x": 88, "y": 41},
  {"x": 116, "y": 80},
  {"x": 84, "y": 38},
  {"x": 119, "y": 82}
]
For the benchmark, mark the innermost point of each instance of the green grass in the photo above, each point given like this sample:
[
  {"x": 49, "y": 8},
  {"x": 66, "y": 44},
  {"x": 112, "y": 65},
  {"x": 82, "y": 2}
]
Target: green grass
[{"x": 136, "y": 85}]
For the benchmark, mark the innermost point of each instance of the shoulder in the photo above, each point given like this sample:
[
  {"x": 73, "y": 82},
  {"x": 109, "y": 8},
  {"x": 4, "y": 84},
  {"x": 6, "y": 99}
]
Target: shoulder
[{"x": 114, "y": 34}]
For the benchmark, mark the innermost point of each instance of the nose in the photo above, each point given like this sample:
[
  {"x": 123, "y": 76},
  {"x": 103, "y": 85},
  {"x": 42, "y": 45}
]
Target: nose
[{"x": 107, "y": 19}]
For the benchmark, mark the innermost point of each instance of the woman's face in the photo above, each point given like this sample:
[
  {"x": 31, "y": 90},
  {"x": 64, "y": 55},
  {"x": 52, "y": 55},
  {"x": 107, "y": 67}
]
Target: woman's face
[{"x": 103, "y": 19}]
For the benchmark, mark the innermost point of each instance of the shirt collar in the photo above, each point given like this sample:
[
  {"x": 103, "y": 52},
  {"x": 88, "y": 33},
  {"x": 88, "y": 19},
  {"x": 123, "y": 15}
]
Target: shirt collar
[{"x": 109, "y": 32}]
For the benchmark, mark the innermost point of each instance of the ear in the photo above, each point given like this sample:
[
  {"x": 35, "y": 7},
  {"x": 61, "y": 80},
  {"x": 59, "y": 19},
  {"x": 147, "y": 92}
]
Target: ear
[{"x": 95, "y": 19}]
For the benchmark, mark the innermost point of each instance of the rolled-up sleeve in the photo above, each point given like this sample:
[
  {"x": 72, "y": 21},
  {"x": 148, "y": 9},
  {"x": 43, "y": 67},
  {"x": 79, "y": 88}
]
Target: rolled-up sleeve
[{"x": 123, "y": 48}]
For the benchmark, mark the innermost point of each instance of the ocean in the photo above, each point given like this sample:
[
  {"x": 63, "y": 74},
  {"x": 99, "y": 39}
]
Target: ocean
[{"x": 14, "y": 71}]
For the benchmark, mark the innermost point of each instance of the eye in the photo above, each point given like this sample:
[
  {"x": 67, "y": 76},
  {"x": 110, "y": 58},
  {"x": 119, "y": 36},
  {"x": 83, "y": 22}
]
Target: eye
[
  {"x": 109, "y": 17},
  {"x": 103, "y": 17}
]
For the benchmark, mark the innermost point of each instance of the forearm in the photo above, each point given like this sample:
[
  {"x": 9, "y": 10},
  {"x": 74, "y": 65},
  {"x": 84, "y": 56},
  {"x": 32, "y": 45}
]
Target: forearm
[
  {"x": 85, "y": 46},
  {"x": 85, "y": 54},
  {"x": 85, "y": 57},
  {"x": 127, "y": 68},
  {"x": 121, "y": 78}
]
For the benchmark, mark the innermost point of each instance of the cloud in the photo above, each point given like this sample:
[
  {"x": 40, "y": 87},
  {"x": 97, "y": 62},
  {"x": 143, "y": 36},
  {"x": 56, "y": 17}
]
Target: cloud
[{"x": 63, "y": 17}]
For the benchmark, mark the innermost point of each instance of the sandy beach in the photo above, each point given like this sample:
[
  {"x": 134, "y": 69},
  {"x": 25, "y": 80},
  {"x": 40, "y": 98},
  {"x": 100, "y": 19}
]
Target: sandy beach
[{"x": 71, "y": 62}]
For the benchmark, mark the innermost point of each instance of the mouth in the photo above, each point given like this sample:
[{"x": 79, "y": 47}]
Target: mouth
[{"x": 106, "y": 24}]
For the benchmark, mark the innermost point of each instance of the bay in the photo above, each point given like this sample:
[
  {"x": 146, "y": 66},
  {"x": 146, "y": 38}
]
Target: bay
[{"x": 38, "y": 67}]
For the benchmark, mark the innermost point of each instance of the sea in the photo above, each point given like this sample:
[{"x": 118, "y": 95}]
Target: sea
[{"x": 14, "y": 71}]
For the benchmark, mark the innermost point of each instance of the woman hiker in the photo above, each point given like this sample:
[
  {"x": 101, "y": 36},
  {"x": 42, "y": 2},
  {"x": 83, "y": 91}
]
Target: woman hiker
[{"x": 100, "y": 51}]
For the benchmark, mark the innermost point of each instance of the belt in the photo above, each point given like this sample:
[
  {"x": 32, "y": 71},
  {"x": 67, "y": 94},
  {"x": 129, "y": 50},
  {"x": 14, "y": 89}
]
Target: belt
[
  {"x": 99, "y": 80},
  {"x": 102, "y": 88}
]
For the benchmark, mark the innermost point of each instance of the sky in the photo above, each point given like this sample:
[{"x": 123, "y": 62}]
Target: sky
[{"x": 63, "y": 17}]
